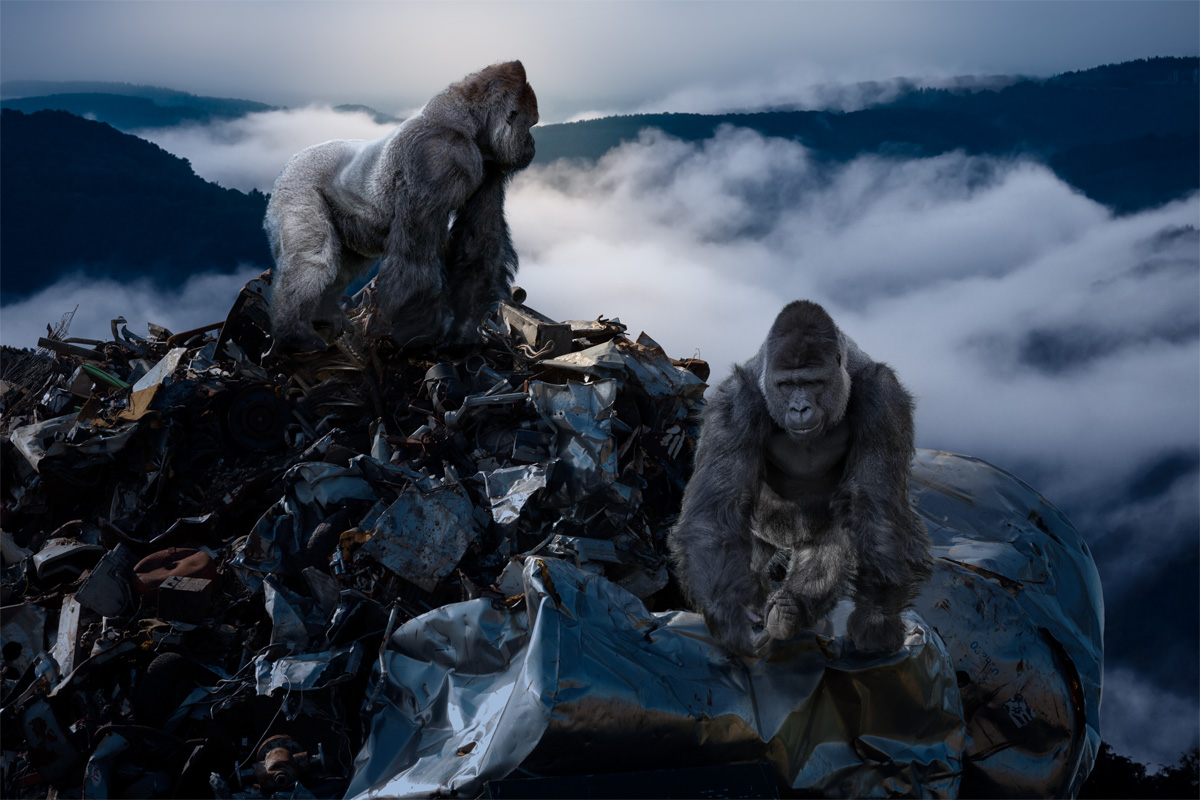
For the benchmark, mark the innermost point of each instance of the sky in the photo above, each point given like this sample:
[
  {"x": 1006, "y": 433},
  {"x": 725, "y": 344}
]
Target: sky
[
  {"x": 1035, "y": 328},
  {"x": 581, "y": 56}
]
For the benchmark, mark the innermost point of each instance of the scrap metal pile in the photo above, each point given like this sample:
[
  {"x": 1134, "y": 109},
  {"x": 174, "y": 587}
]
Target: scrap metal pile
[
  {"x": 372, "y": 573},
  {"x": 205, "y": 545}
]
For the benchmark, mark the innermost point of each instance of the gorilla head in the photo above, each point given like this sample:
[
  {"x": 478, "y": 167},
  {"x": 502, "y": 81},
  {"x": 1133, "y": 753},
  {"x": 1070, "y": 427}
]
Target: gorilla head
[
  {"x": 508, "y": 107},
  {"x": 804, "y": 378}
]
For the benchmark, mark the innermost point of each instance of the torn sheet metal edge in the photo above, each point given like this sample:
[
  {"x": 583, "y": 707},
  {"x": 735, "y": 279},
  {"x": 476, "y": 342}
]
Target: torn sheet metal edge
[
  {"x": 307, "y": 671},
  {"x": 287, "y": 620},
  {"x": 598, "y": 358},
  {"x": 473, "y": 691},
  {"x": 161, "y": 371},
  {"x": 66, "y": 645},
  {"x": 31, "y": 440},
  {"x": 582, "y": 413},
  {"x": 510, "y": 488},
  {"x": 40, "y": 440}
]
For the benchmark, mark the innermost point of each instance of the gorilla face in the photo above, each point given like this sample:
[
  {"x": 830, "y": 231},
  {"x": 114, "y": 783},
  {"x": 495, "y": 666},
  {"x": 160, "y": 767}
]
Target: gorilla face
[
  {"x": 515, "y": 148},
  {"x": 804, "y": 380},
  {"x": 808, "y": 399}
]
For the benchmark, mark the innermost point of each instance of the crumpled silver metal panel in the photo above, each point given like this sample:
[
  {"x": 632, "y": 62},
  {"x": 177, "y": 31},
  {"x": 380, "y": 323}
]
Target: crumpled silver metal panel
[
  {"x": 510, "y": 488},
  {"x": 307, "y": 671},
  {"x": 423, "y": 535},
  {"x": 583, "y": 678},
  {"x": 582, "y": 414},
  {"x": 312, "y": 487},
  {"x": 48, "y": 439}
]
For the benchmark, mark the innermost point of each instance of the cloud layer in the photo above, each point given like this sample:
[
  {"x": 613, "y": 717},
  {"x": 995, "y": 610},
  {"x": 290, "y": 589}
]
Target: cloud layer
[
  {"x": 249, "y": 152},
  {"x": 1028, "y": 321},
  {"x": 203, "y": 299}
]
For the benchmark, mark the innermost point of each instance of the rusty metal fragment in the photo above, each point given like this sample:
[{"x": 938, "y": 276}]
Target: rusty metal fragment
[{"x": 422, "y": 535}]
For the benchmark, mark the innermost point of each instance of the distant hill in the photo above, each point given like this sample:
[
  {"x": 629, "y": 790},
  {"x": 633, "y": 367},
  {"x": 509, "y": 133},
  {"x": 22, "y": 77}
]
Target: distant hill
[
  {"x": 1127, "y": 135},
  {"x": 125, "y": 106},
  {"x": 81, "y": 195},
  {"x": 123, "y": 111},
  {"x": 378, "y": 116}
]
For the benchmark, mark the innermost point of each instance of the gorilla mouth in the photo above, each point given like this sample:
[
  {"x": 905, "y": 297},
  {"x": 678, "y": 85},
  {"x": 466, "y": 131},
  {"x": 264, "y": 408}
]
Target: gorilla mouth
[{"x": 801, "y": 433}]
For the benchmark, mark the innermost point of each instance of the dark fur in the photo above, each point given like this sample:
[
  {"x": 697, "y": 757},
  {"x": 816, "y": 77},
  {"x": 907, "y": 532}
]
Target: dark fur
[
  {"x": 804, "y": 455},
  {"x": 338, "y": 206}
]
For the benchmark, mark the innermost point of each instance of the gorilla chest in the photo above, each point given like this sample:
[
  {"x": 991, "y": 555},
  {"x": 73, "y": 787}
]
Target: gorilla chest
[{"x": 809, "y": 471}]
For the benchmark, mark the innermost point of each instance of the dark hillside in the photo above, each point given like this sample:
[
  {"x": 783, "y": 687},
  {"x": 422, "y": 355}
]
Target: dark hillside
[{"x": 80, "y": 195}]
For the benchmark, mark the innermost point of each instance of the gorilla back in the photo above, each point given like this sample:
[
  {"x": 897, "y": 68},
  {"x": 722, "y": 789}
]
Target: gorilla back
[
  {"x": 804, "y": 459},
  {"x": 338, "y": 206}
]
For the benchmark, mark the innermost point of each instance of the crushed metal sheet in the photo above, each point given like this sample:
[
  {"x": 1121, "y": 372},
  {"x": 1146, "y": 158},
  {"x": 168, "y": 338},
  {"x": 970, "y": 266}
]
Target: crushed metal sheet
[
  {"x": 307, "y": 672},
  {"x": 582, "y": 413},
  {"x": 423, "y": 535},
  {"x": 509, "y": 489}
]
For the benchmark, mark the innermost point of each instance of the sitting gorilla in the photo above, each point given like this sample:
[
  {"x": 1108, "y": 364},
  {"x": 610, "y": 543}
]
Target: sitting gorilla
[
  {"x": 804, "y": 459},
  {"x": 338, "y": 206}
]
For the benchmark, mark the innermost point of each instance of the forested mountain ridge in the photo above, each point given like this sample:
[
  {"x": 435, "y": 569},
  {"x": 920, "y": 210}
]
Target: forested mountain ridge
[
  {"x": 1127, "y": 135},
  {"x": 77, "y": 193},
  {"x": 123, "y": 105}
]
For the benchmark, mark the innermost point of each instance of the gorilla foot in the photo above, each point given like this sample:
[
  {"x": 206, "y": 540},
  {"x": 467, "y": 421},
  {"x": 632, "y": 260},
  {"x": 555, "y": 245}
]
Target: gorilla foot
[
  {"x": 873, "y": 632},
  {"x": 784, "y": 615},
  {"x": 740, "y": 633}
]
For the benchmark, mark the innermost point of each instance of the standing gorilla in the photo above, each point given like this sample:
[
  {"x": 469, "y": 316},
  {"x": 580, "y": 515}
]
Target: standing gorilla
[
  {"x": 805, "y": 452},
  {"x": 338, "y": 206}
]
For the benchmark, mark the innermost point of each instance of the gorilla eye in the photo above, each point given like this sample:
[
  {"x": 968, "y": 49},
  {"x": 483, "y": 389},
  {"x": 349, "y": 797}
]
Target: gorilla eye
[{"x": 511, "y": 116}]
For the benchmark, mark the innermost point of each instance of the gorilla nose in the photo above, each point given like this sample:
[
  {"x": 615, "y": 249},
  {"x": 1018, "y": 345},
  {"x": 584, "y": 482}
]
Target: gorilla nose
[{"x": 800, "y": 418}]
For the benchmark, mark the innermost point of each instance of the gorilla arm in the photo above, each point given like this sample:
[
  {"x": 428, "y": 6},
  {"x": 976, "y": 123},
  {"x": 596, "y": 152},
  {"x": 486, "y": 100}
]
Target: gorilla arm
[
  {"x": 872, "y": 502},
  {"x": 438, "y": 169},
  {"x": 712, "y": 543},
  {"x": 481, "y": 260}
]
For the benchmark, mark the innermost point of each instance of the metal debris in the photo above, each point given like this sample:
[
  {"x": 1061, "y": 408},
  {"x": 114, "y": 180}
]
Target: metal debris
[{"x": 228, "y": 573}]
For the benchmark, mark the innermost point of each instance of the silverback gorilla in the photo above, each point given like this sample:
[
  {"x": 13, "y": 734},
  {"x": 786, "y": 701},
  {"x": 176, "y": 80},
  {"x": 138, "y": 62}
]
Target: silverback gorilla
[
  {"x": 428, "y": 197},
  {"x": 804, "y": 459}
]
